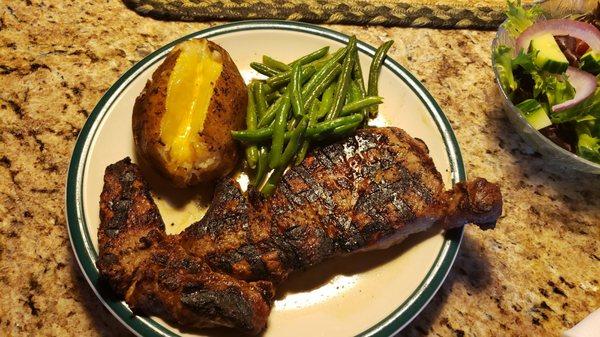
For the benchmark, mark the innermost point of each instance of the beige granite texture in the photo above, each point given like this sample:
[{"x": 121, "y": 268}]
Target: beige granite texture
[{"x": 536, "y": 274}]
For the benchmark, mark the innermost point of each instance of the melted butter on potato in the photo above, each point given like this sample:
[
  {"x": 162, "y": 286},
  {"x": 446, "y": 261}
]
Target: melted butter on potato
[
  {"x": 183, "y": 118},
  {"x": 189, "y": 90}
]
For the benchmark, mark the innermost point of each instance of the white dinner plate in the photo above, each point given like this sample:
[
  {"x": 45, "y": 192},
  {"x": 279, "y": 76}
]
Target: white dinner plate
[{"x": 370, "y": 294}]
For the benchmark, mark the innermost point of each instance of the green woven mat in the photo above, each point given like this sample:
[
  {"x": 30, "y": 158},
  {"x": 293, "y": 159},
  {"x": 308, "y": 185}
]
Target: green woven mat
[{"x": 475, "y": 14}]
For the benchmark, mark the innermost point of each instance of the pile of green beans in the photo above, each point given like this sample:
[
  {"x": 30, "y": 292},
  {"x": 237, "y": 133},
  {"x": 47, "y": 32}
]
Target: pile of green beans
[{"x": 317, "y": 97}]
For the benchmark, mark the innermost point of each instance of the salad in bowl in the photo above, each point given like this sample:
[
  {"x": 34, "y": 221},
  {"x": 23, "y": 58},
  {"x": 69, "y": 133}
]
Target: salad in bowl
[{"x": 548, "y": 70}]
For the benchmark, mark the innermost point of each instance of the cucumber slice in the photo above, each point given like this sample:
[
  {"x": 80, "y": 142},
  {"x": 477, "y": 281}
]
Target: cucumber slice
[
  {"x": 548, "y": 55},
  {"x": 534, "y": 113},
  {"x": 590, "y": 62}
]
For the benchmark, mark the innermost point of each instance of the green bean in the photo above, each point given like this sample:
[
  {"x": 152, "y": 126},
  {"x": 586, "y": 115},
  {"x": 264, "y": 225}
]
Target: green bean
[
  {"x": 294, "y": 143},
  {"x": 251, "y": 120},
  {"x": 254, "y": 136},
  {"x": 353, "y": 93},
  {"x": 314, "y": 111},
  {"x": 285, "y": 77},
  {"x": 262, "y": 166},
  {"x": 322, "y": 72},
  {"x": 267, "y": 89},
  {"x": 269, "y": 186},
  {"x": 290, "y": 124},
  {"x": 252, "y": 150},
  {"x": 307, "y": 72},
  {"x": 259, "y": 98},
  {"x": 269, "y": 115},
  {"x": 344, "y": 81},
  {"x": 327, "y": 126},
  {"x": 252, "y": 156},
  {"x": 345, "y": 129},
  {"x": 273, "y": 96},
  {"x": 275, "y": 64},
  {"x": 264, "y": 69},
  {"x": 361, "y": 104},
  {"x": 374, "y": 72},
  {"x": 264, "y": 134},
  {"x": 319, "y": 64},
  {"x": 322, "y": 86},
  {"x": 358, "y": 75},
  {"x": 360, "y": 83},
  {"x": 296, "y": 91},
  {"x": 278, "y": 134},
  {"x": 316, "y": 55},
  {"x": 274, "y": 139},
  {"x": 327, "y": 101},
  {"x": 360, "y": 95}
]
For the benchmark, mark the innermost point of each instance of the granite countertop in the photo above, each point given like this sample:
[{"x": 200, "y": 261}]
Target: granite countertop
[{"x": 537, "y": 273}]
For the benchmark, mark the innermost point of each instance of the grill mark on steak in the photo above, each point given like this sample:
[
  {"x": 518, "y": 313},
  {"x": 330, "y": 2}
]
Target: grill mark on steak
[{"x": 366, "y": 192}]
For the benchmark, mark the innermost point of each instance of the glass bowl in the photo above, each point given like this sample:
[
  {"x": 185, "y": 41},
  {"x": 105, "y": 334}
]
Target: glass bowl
[{"x": 552, "y": 153}]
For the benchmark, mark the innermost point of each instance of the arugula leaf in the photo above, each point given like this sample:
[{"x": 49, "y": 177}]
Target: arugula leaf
[
  {"x": 588, "y": 142},
  {"x": 520, "y": 18},
  {"x": 503, "y": 59}
]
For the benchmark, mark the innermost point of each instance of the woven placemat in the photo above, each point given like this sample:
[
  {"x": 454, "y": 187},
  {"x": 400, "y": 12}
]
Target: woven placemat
[{"x": 474, "y": 14}]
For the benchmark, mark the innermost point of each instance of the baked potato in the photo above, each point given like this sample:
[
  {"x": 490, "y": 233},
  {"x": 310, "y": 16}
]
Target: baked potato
[{"x": 182, "y": 120}]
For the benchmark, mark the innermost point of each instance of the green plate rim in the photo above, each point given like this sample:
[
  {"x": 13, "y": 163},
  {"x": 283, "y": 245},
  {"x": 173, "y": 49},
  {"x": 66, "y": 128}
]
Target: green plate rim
[{"x": 145, "y": 326}]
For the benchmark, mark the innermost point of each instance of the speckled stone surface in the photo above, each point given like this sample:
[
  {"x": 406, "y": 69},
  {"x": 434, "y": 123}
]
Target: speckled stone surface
[{"x": 537, "y": 274}]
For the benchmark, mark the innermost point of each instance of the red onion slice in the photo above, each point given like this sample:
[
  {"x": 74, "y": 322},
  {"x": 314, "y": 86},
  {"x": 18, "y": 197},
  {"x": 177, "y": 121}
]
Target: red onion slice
[
  {"x": 581, "y": 30},
  {"x": 584, "y": 84}
]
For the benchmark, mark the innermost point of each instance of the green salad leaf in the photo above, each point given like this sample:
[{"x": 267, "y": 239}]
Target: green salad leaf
[
  {"x": 588, "y": 108},
  {"x": 556, "y": 88},
  {"x": 519, "y": 18},
  {"x": 503, "y": 59},
  {"x": 525, "y": 61},
  {"x": 588, "y": 142},
  {"x": 585, "y": 118},
  {"x": 548, "y": 88}
]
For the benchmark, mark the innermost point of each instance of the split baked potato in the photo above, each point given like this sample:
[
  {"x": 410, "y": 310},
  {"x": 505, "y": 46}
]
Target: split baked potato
[{"x": 182, "y": 121}]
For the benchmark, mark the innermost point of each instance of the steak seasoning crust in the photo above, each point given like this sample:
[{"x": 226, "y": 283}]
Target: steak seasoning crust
[{"x": 369, "y": 191}]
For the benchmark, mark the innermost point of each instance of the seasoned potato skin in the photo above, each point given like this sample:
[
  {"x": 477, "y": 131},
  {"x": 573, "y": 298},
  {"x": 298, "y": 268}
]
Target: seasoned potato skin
[{"x": 226, "y": 112}]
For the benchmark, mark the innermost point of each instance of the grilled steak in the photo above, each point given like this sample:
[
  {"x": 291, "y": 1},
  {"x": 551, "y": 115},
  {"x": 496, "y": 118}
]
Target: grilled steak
[{"x": 368, "y": 191}]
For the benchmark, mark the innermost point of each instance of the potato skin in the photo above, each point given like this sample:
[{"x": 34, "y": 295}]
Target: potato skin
[{"x": 226, "y": 112}]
